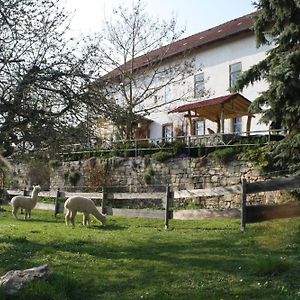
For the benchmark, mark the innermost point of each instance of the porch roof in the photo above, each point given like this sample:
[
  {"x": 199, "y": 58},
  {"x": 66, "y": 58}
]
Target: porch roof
[{"x": 226, "y": 107}]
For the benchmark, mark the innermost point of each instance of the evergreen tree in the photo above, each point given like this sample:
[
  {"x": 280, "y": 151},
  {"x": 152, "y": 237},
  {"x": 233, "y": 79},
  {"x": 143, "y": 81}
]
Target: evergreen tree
[{"x": 278, "y": 24}]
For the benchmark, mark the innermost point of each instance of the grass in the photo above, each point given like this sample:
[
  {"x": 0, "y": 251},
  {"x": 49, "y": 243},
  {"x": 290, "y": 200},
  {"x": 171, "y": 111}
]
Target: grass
[{"x": 133, "y": 258}]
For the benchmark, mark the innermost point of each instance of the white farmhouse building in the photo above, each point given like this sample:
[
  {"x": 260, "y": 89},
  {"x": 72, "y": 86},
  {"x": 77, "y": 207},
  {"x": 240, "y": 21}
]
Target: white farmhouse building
[{"x": 221, "y": 53}]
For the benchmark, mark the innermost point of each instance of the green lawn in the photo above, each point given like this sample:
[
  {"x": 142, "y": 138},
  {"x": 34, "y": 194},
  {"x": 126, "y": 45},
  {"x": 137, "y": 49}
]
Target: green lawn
[{"x": 133, "y": 258}]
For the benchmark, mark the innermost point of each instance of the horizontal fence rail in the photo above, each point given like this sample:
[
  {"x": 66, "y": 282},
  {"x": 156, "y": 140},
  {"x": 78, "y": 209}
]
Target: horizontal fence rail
[
  {"x": 217, "y": 191},
  {"x": 247, "y": 214},
  {"x": 258, "y": 213}
]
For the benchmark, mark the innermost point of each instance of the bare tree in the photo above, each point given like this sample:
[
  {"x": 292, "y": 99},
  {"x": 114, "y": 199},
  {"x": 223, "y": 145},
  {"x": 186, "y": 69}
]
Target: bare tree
[
  {"x": 140, "y": 62},
  {"x": 44, "y": 78}
]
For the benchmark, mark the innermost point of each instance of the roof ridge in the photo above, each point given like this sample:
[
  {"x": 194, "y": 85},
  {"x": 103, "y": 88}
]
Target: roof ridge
[
  {"x": 213, "y": 28},
  {"x": 196, "y": 40}
]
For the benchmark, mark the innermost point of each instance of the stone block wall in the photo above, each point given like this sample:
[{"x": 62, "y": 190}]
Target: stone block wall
[{"x": 147, "y": 175}]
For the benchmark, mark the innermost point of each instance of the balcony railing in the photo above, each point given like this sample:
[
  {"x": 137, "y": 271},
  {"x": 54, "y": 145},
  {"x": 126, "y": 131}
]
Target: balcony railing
[{"x": 137, "y": 146}]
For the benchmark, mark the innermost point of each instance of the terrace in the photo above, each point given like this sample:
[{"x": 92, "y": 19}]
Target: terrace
[{"x": 216, "y": 110}]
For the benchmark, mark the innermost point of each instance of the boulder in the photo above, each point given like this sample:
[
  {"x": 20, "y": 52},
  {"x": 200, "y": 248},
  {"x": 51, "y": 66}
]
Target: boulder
[{"x": 15, "y": 280}]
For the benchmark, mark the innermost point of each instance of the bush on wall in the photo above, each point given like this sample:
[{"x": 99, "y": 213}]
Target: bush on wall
[
  {"x": 162, "y": 156},
  {"x": 73, "y": 177},
  {"x": 224, "y": 155},
  {"x": 149, "y": 173}
]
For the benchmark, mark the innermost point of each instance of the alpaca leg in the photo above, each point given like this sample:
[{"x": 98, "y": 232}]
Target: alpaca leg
[
  {"x": 68, "y": 217},
  {"x": 73, "y": 216},
  {"x": 27, "y": 214},
  {"x": 14, "y": 212},
  {"x": 86, "y": 219}
]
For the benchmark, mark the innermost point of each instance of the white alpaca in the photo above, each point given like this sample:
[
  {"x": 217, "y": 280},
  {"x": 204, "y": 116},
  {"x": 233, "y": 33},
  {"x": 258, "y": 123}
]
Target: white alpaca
[
  {"x": 84, "y": 205},
  {"x": 25, "y": 202}
]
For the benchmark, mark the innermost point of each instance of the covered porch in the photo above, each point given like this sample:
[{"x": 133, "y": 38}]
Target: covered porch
[{"x": 217, "y": 110}]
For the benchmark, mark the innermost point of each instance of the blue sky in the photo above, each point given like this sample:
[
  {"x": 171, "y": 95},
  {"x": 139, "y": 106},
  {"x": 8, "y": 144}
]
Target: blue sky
[{"x": 194, "y": 15}]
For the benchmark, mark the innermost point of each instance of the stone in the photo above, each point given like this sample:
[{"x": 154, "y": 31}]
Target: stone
[{"x": 13, "y": 281}]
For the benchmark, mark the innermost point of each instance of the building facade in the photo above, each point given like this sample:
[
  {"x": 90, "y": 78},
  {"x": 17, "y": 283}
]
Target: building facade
[{"x": 219, "y": 56}]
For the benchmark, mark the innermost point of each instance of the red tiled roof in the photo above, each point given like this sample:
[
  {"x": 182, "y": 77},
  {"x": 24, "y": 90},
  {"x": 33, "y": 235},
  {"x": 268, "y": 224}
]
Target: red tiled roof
[
  {"x": 208, "y": 102},
  {"x": 218, "y": 33},
  {"x": 232, "y": 105}
]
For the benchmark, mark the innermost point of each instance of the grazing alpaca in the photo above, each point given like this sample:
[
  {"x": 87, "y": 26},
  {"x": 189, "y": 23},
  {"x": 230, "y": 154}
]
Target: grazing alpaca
[
  {"x": 84, "y": 205},
  {"x": 25, "y": 202}
]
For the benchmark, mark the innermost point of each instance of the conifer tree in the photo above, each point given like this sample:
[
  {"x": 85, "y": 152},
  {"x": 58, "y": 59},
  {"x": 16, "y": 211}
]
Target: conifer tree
[{"x": 278, "y": 24}]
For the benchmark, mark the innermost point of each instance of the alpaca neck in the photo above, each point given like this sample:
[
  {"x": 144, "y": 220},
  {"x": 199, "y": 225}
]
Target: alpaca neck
[
  {"x": 98, "y": 215},
  {"x": 34, "y": 196}
]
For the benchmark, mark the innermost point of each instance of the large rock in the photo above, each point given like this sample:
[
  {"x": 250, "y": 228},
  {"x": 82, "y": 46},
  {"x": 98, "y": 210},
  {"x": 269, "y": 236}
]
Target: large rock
[{"x": 14, "y": 280}]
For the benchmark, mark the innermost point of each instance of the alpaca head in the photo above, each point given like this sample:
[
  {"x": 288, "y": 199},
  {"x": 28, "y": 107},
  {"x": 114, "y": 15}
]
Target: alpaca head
[{"x": 36, "y": 188}]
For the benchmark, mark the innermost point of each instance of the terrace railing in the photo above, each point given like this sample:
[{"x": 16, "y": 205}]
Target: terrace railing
[{"x": 137, "y": 146}]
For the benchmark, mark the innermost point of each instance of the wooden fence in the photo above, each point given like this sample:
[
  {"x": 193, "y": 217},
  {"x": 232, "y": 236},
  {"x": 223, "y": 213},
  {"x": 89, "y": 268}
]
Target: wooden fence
[
  {"x": 258, "y": 213},
  {"x": 247, "y": 214}
]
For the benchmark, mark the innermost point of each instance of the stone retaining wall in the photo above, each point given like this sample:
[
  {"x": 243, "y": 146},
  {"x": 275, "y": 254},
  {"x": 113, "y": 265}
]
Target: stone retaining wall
[{"x": 146, "y": 175}]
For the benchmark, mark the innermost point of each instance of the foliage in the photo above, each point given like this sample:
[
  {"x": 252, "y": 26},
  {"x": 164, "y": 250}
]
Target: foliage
[
  {"x": 38, "y": 174},
  {"x": 148, "y": 174},
  {"x": 147, "y": 148},
  {"x": 54, "y": 164},
  {"x": 133, "y": 257},
  {"x": 162, "y": 156},
  {"x": 123, "y": 149},
  {"x": 287, "y": 154},
  {"x": 179, "y": 147},
  {"x": 224, "y": 155},
  {"x": 73, "y": 177},
  {"x": 277, "y": 24},
  {"x": 44, "y": 80},
  {"x": 136, "y": 72},
  {"x": 95, "y": 172},
  {"x": 259, "y": 156}
]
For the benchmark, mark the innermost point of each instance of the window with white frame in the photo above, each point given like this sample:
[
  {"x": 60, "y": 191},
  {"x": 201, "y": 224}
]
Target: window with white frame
[
  {"x": 235, "y": 71},
  {"x": 167, "y": 132},
  {"x": 199, "y": 127},
  {"x": 168, "y": 94},
  {"x": 198, "y": 85},
  {"x": 237, "y": 125}
]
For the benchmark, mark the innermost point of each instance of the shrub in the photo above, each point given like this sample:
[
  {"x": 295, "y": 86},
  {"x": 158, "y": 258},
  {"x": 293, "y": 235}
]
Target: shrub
[
  {"x": 54, "y": 164},
  {"x": 39, "y": 173},
  {"x": 224, "y": 155},
  {"x": 162, "y": 156},
  {"x": 149, "y": 173},
  {"x": 74, "y": 177},
  {"x": 179, "y": 148},
  {"x": 260, "y": 156},
  {"x": 123, "y": 149}
]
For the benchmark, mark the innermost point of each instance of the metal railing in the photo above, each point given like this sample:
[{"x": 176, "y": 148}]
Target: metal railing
[{"x": 137, "y": 146}]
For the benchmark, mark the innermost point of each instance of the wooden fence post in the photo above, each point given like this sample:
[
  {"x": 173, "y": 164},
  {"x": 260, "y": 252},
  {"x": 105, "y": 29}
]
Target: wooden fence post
[
  {"x": 243, "y": 203},
  {"x": 103, "y": 202},
  {"x": 56, "y": 206},
  {"x": 25, "y": 193},
  {"x": 167, "y": 206}
]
